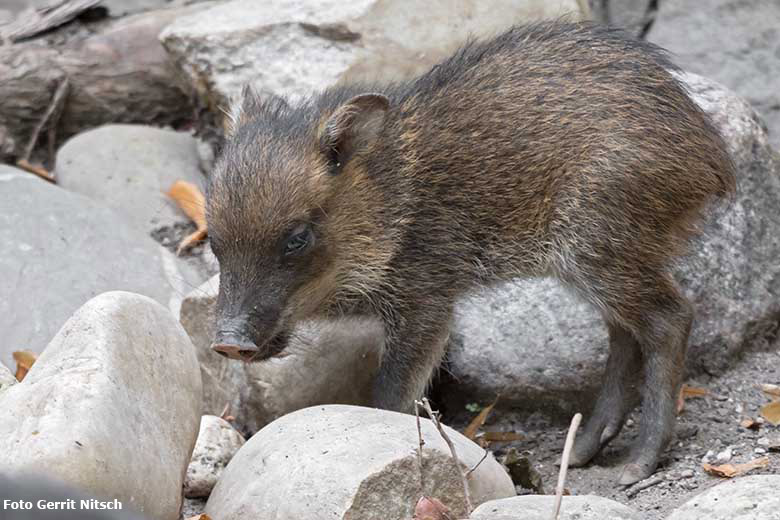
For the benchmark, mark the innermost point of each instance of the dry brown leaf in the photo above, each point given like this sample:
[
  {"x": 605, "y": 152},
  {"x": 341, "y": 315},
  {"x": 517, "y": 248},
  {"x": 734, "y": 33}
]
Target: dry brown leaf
[
  {"x": 689, "y": 392},
  {"x": 429, "y": 508},
  {"x": 471, "y": 430},
  {"x": 750, "y": 424},
  {"x": 733, "y": 470},
  {"x": 190, "y": 199},
  {"x": 772, "y": 390},
  {"x": 771, "y": 412},
  {"x": 38, "y": 170},
  {"x": 203, "y": 516},
  {"x": 501, "y": 436},
  {"x": 24, "y": 362}
]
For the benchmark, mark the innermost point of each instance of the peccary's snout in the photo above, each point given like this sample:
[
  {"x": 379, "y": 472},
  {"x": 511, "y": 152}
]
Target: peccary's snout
[{"x": 234, "y": 346}]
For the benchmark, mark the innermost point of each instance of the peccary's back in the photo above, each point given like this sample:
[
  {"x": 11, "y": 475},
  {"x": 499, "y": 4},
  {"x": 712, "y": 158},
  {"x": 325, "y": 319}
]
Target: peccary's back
[{"x": 553, "y": 128}]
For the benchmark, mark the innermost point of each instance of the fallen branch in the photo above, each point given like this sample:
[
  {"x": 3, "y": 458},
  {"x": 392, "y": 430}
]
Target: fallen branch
[
  {"x": 642, "y": 485},
  {"x": 463, "y": 474},
  {"x": 141, "y": 87},
  {"x": 36, "y": 21},
  {"x": 575, "y": 424}
]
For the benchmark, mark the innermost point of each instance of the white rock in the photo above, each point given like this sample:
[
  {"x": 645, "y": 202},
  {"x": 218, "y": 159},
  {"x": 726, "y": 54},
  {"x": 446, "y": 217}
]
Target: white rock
[
  {"x": 327, "y": 362},
  {"x": 217, "y": 442},
  {"x": 745, "y": 498},
  {"x": 6, "y": 378},
  {"x": 111, "y": 406},
  {"x": 130, "y": 168},
  {"x": 539, "y": 507},
  {"x": 59, "y": 249},
  {"x": 347, "y": 462},
  {"x": 294, "y": 47},
  {"x": 724, "y": 456}
]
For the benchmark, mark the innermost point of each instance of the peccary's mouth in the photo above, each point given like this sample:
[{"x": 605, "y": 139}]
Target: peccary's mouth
[{"x": 274, "y": 347}]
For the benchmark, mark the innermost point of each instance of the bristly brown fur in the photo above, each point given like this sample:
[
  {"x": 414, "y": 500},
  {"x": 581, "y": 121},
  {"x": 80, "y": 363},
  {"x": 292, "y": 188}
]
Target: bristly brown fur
[{"x": 554, "y": 149}]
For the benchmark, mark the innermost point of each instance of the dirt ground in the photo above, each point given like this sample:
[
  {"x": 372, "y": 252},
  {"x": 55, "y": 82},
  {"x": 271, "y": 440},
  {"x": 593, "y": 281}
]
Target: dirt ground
[{"x": 707, "y": 424}]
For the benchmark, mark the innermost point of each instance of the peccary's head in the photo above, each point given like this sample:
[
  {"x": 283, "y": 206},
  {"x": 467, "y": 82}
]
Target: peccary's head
[{"x": 292, "y": 215}]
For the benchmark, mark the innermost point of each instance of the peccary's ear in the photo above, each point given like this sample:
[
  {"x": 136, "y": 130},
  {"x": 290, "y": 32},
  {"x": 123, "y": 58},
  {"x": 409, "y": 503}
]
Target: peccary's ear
[
  {"x": 249, "y": 106},
  {"x": 352, "y": 127}
]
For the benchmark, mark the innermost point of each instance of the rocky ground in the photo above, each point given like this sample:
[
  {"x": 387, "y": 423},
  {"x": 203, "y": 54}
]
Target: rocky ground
[
  {"x": 708, "y": 427},
  {"x": 126, "y": 397}
]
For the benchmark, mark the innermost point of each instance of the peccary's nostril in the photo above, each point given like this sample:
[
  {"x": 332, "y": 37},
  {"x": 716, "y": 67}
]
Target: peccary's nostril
[
  {"x": 234, "y": 346},
  {"x": 242, "y": 352}
]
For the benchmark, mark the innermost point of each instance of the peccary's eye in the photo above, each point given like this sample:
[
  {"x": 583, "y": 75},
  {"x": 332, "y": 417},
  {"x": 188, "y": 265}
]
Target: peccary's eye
[{"x": 299, "y": 239}]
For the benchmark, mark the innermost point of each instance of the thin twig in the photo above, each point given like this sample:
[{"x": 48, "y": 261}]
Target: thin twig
[
  {"x": 640, "y": 486},
  {"x": 56, "y": 100},
  {"x": 575, "y": 424},
  {"x": 463, "y": 475},
  {"x": 484, "y": 456},
  {"x": 50, "y": 117},
  {"x": 420, "y": 447},
  {"x": 56, "y": 108}
]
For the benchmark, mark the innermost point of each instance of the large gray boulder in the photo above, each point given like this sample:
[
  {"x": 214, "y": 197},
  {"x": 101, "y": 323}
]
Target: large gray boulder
[
  {"x": 540, "y": 507},
  {"x": 294, "y": 47},
  {"x": 112, "y": 406},
  {"x": 744, "y": 498},
  {"x": 326, "y": 362},
  {"x": 60, "y": 249},
  {"x": 734, "y": 42},
  {"x": 536, "y": 343},
  {"x": 348, "y": 462},
  {"x": 6, "y": 378},
  {"x": 130, "y": 168}
]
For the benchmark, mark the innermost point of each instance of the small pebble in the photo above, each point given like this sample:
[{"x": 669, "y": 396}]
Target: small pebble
[
  {"x": 687, "y": 473},
  {"x": 724, "y": 456},
  {"x": 708, "y": 457},
  {"x": 759, "y": 451},
  {"x": 763, "y": 441}
]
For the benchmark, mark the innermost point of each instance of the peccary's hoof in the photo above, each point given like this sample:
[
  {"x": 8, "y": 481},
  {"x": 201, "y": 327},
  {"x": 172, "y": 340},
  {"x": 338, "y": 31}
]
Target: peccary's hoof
[{"x": 633, "y": 473}]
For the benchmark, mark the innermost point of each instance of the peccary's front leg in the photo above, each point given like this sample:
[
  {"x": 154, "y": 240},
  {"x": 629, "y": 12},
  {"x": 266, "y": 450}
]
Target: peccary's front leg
[{"x": 414, "y": 347}]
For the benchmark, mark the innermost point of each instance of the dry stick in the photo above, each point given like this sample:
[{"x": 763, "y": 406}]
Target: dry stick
[
  {"x": 575, "y": 424},
  {"x": 58, "y": 104},
  {"x": 650, "y": 482},
  {"x": 484, "y": 456},
  {"x": 417, "y": 405},
  {"x": 463, "y": 475},
  {"x": 51, "y": 115}
]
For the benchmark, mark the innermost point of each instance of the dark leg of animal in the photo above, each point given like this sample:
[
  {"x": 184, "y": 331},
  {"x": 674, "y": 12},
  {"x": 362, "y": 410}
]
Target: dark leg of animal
[
  {"x": 646, "y": 302},
  {"x": 413, "y": 349},
  {"x": 663, "y": 336},
  {"x": 615, "y": 399}
]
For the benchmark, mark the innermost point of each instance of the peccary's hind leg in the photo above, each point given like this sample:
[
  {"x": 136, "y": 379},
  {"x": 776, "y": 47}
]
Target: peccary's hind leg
[
  {"x": 616, "y": 397},
  {"x": 662, "y": 333},
  {"x": 655, "y": 318}
]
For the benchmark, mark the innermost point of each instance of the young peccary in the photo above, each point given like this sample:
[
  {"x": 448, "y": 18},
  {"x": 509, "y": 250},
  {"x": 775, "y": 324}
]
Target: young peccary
[{"x": 555, "y": 149}]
